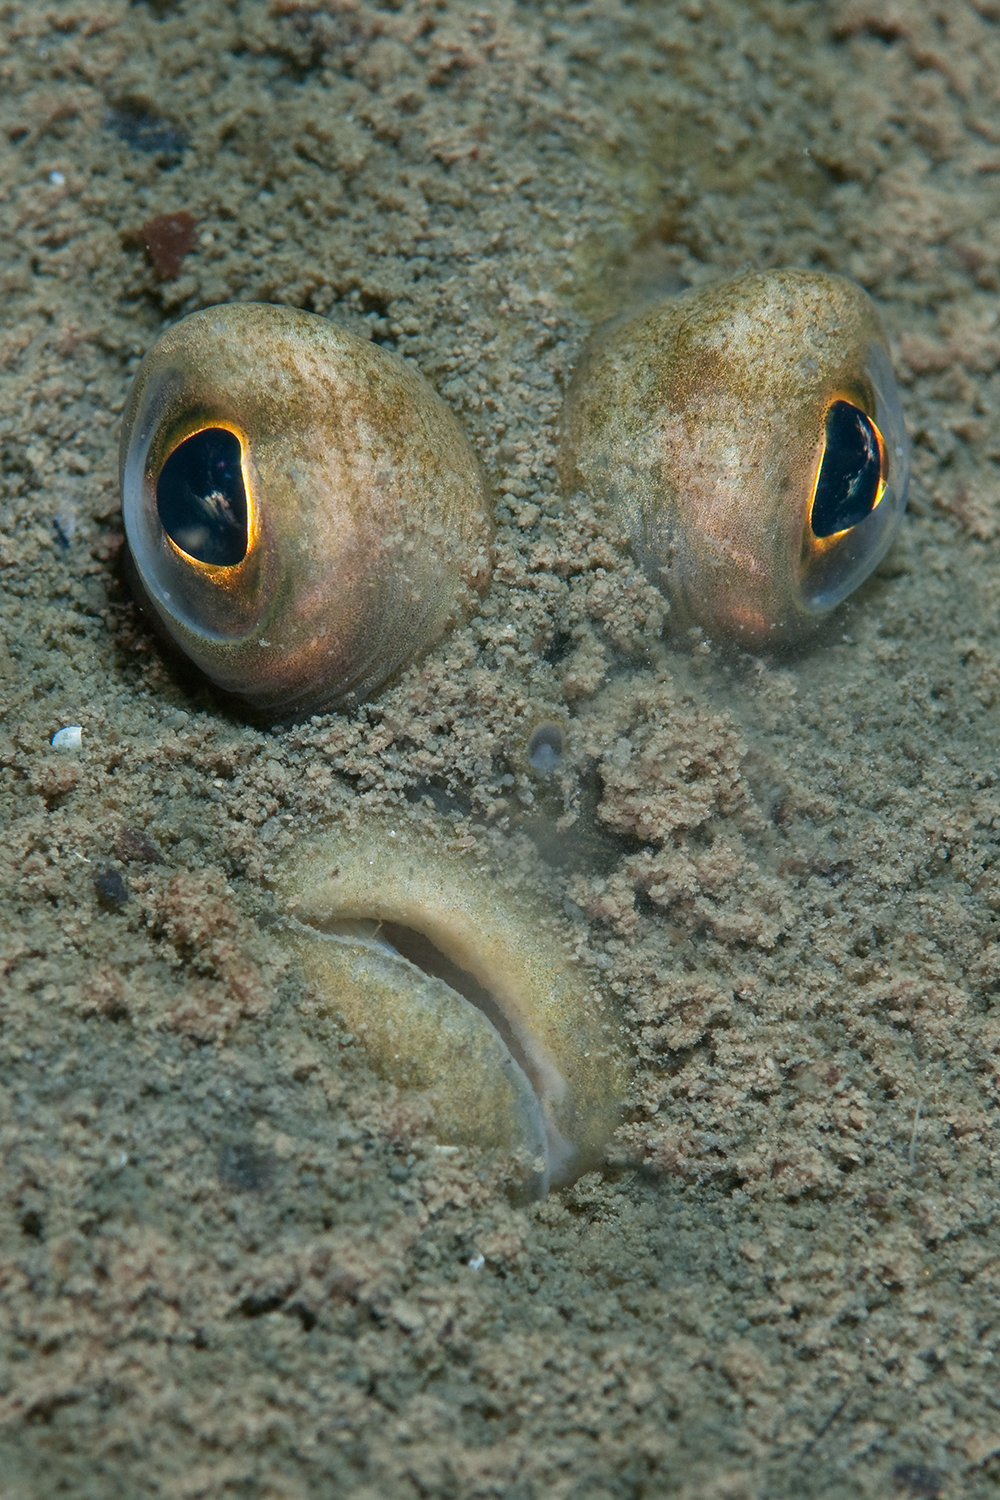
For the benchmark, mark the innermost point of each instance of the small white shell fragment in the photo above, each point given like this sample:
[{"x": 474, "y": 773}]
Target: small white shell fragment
[{"x": 69, "y": 739}]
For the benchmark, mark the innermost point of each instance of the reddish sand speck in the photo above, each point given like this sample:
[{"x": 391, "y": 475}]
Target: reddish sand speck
[{"x": 168, "y": 238}]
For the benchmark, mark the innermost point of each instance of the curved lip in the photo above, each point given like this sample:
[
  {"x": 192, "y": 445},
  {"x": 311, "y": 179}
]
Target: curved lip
[{"x": 547, "y": 1084}]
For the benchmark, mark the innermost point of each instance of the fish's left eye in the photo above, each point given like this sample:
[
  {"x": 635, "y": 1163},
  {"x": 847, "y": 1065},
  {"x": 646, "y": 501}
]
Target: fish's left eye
[
  {"x": 304, "y": 513},
  {"x": 852, "y": 472}
]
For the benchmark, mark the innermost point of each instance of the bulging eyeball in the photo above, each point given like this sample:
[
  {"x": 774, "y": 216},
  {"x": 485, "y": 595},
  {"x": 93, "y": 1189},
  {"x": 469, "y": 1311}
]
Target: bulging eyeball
[
  {"x": 749, "y": 440},
  {"x": 303, "y": 511}
]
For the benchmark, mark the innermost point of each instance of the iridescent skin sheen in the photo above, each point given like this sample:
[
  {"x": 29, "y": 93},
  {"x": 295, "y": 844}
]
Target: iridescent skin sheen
[
  {"x": 461, "y": 989},
  {"x": 367, "y": 524},
  {"x": 701, "y": 422}
]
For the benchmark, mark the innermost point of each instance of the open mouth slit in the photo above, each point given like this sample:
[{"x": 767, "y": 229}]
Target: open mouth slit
[
  {"x": 417, "y": 949},
  {"x": 543, "y": 1080},
  {"x": 430, "y": 960}
]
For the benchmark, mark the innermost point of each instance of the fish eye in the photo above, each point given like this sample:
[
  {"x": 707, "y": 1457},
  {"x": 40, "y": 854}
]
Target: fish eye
[
  {"x": 301, "y": 539},
  {"x": 851, "y": 478},
  {"x": 748, "y": 440},
  {"x": 201, "y": 498}
]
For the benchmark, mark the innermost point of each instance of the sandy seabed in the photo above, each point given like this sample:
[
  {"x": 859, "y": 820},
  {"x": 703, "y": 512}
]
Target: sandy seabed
[{"x": 233, "y": 1261}]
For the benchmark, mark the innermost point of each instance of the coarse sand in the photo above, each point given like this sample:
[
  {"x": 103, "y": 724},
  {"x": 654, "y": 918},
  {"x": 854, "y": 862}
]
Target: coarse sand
[{"x": 233, "y": 1260}]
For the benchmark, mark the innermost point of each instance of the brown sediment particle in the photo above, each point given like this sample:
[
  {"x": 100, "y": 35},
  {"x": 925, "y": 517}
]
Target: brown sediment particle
[
  {"x": 191, "y": 913},
  {"x": 53, "y": 780},
  {"x": 971, "y": 507},
  {"x": 137, "y": 847},
  {"x": 918, "y": 1480},
  {"x": 214, "y": 947},
  {"x": 167, "y": 239},
  {"x": 104, "y": 992},
  {"x": 110, "y": 887}
]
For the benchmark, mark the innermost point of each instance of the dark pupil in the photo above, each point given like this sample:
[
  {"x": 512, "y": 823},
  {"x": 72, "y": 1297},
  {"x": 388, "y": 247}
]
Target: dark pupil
[
  {"x": 847, "y": 487},
  {"x": 201, "y": 499}
]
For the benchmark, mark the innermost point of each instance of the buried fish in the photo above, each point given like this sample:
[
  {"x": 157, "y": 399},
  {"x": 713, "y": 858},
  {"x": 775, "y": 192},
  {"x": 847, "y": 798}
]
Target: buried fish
[
  {"x": 461, "y": 990},
  {"x": 748, "y": 440}
]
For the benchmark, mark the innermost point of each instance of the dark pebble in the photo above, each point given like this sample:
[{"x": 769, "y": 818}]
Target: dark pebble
[{"x": 112, "y": 892}]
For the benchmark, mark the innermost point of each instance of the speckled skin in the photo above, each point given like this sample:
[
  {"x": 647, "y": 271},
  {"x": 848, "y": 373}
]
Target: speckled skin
[
  {"x": 370, "y": 523},
  {"x": 554, "y": 1113},
  {"x": 700, "y": 421}
]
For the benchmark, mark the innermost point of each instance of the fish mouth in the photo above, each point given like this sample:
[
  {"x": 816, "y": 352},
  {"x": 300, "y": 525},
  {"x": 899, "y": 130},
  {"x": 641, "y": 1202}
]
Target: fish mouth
[
  {"x": 461, "y": 990},
  {"x": 535, "y": 1076}
]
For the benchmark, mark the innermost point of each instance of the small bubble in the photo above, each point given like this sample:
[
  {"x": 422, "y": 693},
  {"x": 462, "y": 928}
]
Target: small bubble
[{"x": 546, "y": 748}]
